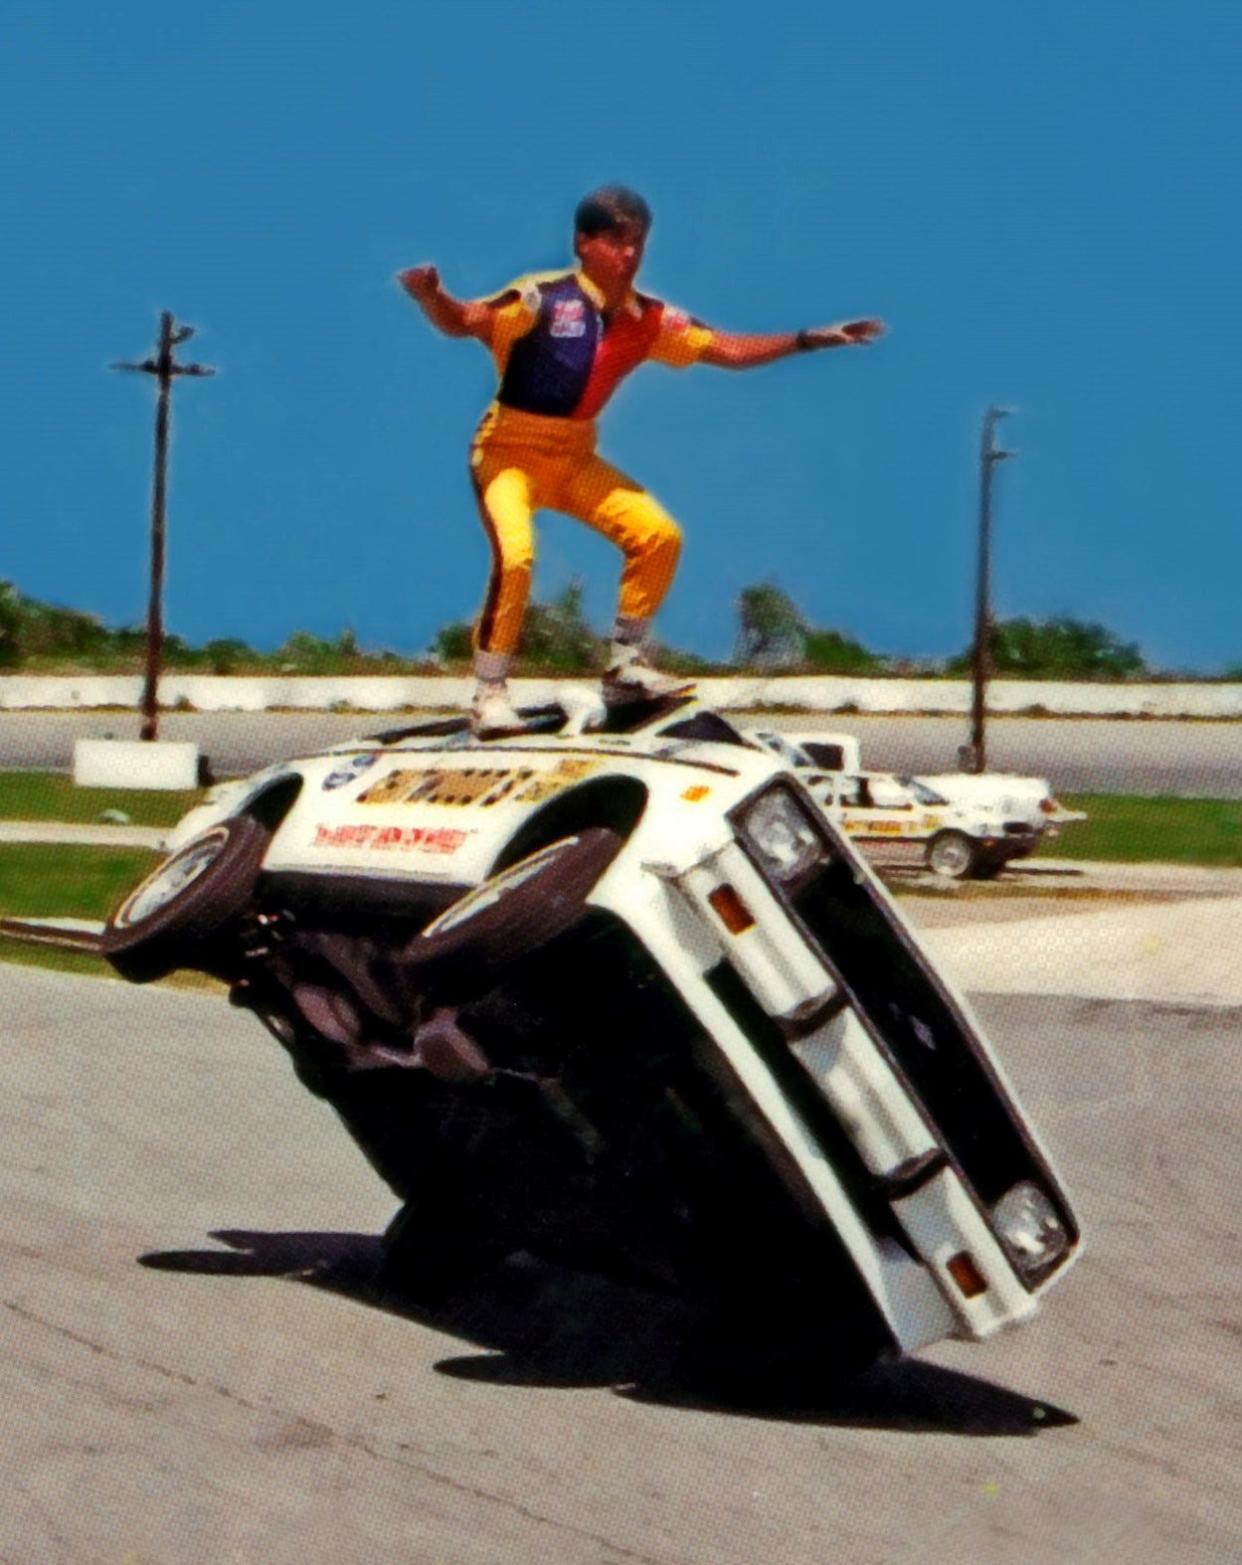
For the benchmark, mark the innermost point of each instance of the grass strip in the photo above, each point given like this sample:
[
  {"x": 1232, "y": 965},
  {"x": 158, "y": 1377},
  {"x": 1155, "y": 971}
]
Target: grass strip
[
  {"x": 1134, "y": 829},
  {"x": 81, "y": 962},
  {"x": 63, "y": 880},
  {"x": 50, "y": 796}
]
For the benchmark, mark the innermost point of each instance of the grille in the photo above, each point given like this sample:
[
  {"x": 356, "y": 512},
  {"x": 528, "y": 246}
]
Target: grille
[{"x": 924, "y": 1034}]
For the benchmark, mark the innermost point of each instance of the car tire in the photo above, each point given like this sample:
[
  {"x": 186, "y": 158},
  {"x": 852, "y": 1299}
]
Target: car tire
[
  {"x": 952, "y": 855},
  {"x": 467, "y": 950},
  {"x": 185, "y": 901}
]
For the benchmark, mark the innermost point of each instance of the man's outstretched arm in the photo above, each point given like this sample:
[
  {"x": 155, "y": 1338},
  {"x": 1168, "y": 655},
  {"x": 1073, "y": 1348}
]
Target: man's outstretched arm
[
  {"x": 735, "y": 351},
  {"x": 454, "y": 317}
]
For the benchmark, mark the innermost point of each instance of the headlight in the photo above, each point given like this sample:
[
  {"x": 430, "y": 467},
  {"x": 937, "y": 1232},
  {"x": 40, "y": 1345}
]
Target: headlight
[
  {"x": 782, "y": 835},
  {"x": 1029, "y": 1228}
]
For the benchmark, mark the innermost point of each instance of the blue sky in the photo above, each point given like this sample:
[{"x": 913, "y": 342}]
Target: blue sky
[{"x": 1042, "y": 202}]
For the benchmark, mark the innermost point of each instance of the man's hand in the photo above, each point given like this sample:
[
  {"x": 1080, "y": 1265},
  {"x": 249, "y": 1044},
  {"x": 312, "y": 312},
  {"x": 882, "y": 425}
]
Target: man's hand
[
  {"x": 420, "y": 282},
  {"x": 845, "y": 334},
  {"x": 454, "y": 317}
]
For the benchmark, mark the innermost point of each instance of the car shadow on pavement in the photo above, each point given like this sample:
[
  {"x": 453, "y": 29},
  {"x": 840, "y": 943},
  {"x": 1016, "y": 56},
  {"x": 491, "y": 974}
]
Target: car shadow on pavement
[{"x": 543, "y": 1325}]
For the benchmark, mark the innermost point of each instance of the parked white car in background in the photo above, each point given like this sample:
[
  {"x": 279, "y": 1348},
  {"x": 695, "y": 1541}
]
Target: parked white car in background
[
  {"x": 1016, "y": 798},
  {"x": 897, "y": 818},
  {"x": 960, "y": 825}
]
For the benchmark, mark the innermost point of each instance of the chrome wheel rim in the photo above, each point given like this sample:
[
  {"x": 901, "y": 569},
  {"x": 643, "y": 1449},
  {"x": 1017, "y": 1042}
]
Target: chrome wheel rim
[
  {"x": 171, "y": 878},
  {"x": 951, "y": 857},
  {"x": 491, "y": 891}
]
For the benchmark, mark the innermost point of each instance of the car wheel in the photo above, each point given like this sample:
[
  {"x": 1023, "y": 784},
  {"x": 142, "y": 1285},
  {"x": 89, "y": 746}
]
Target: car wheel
[
  {"x": 952, "y": 854},
  {"x": 472, "y": 944},
  {"x": 186, "y": 900}
]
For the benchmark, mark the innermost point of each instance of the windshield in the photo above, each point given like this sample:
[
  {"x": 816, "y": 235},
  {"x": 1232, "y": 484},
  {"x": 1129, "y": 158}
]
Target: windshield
[
  {"x": 630, "y": 718},
  {"x": 707, "y": 727},
  {"x": 779, "y": 745},
  {"x": 830, "y": 756}
]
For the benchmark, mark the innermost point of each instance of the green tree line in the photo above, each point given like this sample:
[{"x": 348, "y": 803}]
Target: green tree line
[{"x": 772, "y": 636}]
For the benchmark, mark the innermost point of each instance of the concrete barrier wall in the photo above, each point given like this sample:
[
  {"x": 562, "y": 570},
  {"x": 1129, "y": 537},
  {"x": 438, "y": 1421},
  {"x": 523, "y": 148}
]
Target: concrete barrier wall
[
  {"x": 218, "y": 693},
  {"x": 134, "y": 763}
]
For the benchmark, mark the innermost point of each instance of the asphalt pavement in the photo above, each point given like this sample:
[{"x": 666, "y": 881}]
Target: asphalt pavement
[
  {"x": 1163, "y": 948},
  {"x": 197, "y": 1365}
]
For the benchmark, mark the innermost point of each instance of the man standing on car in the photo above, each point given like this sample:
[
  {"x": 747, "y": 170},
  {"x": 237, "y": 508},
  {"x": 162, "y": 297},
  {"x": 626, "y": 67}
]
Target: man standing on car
[{"x": 562, "y": 341}]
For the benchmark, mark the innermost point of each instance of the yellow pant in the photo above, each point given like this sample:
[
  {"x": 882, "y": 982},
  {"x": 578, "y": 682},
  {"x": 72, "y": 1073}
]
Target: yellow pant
[{"x": 522, "y": 462}]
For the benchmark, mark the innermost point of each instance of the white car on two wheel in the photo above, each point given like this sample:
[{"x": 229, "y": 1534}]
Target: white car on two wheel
[{"x": 627, "y": 1000}]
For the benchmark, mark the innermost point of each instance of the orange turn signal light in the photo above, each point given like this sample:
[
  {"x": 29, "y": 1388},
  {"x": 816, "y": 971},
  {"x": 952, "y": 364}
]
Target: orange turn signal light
[
  {"x": 734, "y": 914},
  {"x": 966, "y": 1274}
]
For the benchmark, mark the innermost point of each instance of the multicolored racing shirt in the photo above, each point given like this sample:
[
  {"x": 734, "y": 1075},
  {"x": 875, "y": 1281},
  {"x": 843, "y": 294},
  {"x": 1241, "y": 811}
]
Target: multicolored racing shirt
[{"x": 560, "y": 355}]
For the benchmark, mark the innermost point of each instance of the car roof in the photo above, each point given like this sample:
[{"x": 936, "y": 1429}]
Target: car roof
[
  {"x": 670, "y": 717},
  {"x": 649, "y": 728}
]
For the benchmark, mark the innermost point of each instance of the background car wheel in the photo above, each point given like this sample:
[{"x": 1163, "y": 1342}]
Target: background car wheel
[
  {"x": 469, "y": 947},
  {"x": 186, "y": 900},
  {"x": 952, "y": 854}
]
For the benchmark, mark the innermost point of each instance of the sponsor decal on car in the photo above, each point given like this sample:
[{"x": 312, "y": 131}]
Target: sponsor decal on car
[
  {"x": 544, "y": 785},
  {"x": 481, "y": 785},
  {"x": 349, "y": 771},
  {"x": 393, "y": 787},
  {"x": 405, "y": 839},
  {"x": 444, "y": 785}
]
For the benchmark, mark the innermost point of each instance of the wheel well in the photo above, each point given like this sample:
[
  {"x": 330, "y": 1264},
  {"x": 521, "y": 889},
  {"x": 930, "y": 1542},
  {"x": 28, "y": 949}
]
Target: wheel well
[
  {"x": 615, "y": 802},
  {"x": 271, "y": 806}
]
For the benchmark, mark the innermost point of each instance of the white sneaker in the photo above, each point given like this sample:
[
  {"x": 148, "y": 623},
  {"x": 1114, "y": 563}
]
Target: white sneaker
[
  {"x": 632, "y": 678},
  {"x": 584, "y": 710},
  {"x": 493, "y": 713}
]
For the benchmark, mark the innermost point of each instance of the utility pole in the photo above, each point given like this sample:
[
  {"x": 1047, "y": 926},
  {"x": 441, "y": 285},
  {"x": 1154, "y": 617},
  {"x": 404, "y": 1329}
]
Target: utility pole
[
  {"x": 164, "y": 367},
  {"x": 989, "y": 456}
]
